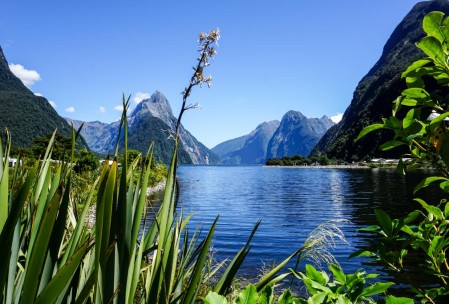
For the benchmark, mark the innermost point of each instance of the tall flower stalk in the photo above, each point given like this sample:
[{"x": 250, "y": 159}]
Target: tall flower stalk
[{"x": 207, "y": 51}]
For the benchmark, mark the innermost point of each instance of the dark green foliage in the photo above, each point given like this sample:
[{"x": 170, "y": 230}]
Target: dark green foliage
[
  {"x": 61, "y": 147},
  {"x": 373, "y": 96},
  {"x": 86, "y": 161},
  {"x": 424, "y": 232},
  {"x": 26, "y": 115},
  {"x": 298, "y": 160}
]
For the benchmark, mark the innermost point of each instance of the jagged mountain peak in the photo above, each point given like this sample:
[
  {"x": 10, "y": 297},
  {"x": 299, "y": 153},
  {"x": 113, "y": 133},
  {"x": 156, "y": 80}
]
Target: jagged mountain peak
[
  {"x": 296, "y": 134},
  {"x": 156, "y": 106},
  {"x": 294, "y": 115},
  {"x": 151, "y": 120}
]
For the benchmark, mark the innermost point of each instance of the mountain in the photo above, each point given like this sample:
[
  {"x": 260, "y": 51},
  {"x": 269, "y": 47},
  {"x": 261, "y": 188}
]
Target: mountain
[
  {"x": 373, "y": 96},
  {"x": 26, "y": 115},
  {"x": 249, "y": 149},
  {"x": 297, "y": 134},
  {"x": 152, "y": 119}
]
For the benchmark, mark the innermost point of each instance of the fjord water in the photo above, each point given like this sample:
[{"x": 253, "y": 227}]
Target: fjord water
[{"x": 291, "y": 202}]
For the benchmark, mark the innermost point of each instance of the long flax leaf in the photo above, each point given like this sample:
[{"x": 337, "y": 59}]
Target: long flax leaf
[
  {"x": 7, "y": 234},
  {"x": 12, "y": 267},
  {"x": 105, "y": 212},
  {"x": 41, "y": 194},
  {"x": 37, "y": 256},
  {"x": 4, "y": 182},
  {"x": 58, "y": 283},
  {"x": 229, "y": 274},
  {"x": 76, "y": 236},
  {"x": 197, "y": 275},
  {"x": 122, "y": 216},
  {"x": 57, "y": 235},
  {"x": 270, "y": 276}
]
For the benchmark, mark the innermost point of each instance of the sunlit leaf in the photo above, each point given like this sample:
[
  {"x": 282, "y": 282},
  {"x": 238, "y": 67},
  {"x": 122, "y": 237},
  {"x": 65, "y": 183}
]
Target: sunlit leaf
[
  {"x": 391, "y": 144},
  {"x": 368, "y": 129},
  {"x": 427, "y": 181},
  {"x": 433, "y": 48},
  {"x": 432, "y": 25}
]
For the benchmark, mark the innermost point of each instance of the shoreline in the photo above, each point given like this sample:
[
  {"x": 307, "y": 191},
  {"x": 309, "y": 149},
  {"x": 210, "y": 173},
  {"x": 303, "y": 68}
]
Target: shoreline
[{"x": 325, "y": 167}]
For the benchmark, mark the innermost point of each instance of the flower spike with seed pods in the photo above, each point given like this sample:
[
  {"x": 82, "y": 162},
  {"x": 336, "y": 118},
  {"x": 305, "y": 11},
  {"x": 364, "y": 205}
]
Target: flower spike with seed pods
[{"x": 207, "y": 51}]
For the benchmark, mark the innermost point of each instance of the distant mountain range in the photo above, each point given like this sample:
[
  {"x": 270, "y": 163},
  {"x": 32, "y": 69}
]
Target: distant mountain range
[
  {"x": 29, "y": 116},
  {"x": 295, "y": 134},
  {"x": 151, "y": 120},
  {"x": 373, "y": 96},
  {"x": 26, "y": 115},
  {"x": 250, "y": 149}
]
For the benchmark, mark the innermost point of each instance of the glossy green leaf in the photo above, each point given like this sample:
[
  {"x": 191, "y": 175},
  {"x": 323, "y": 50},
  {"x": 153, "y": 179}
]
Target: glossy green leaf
[
  {"x": 432, "y": 25},
  {"x": 416, "y": 65},
  {"x": 435, "y": 211},
  {"x": 416, "y": 93},
  {"x": 433, "y": 48},
  {"x": 398, "y": 300},
  {"x": 384, "y": 221},
  {"x": 437, "y": 120},
  {"x": 266, "y": 295},
  {"x": 411, "y": 217},
  {"x": 338, "y": 273},
  {"x": 409, "y": 102},
  {"x": 391, "y": 144},
  {"x": 248, "y": 295},
  {"x": 316, "y": 275},
  {"x": 214, "y": 298},
  {"x": 368, "y": 129},
  {"x": 409, "y": 119},
  {"x": 286, "y": 297},
  {"x": 362, "y": 253},
  {"x": 376, "y": 288},
  {"x": 427, "y": 181}
]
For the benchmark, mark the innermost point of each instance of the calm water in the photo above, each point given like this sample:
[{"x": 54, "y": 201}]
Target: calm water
[{"x": 291, "y": 202}]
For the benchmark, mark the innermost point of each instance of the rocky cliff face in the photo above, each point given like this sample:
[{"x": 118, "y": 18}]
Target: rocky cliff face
[
  {"x": 374, "y": 94},
  {"x": 250, "y": 149},
  {"x": 151, "y": 120},
  {"x": 297, "y": 134},
  {"x": 26, "y": 115}
]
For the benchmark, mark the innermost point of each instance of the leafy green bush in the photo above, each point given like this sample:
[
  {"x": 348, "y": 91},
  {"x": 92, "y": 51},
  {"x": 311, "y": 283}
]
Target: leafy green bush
[{"x": 420, "y": 122}]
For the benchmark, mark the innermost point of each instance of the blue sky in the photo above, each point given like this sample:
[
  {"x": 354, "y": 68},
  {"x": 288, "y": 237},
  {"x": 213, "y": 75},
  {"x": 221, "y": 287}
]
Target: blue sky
[{"x": 273, "y": 56}]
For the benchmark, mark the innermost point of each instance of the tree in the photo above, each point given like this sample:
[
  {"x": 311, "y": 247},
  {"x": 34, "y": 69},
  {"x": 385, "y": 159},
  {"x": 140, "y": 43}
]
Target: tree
[{"x": 86, "y": 161}]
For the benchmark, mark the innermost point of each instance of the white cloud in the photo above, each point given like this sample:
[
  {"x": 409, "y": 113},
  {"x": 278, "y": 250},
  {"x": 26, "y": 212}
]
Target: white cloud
[
  {"x": 337, "y": 117},
  {"x": 102, "y": 109},
  {"x": 28, "y": 77},
  {"x": 53, "y": 104},
  {"x": 39, "y": 94},
  {"x": 139, "y": 96},
  {"x": 118, "y": 108},
  {"x": 70, "y": 110}
]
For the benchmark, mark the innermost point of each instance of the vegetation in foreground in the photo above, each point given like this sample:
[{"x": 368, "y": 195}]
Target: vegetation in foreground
[{"x": 50, "y": 256}]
